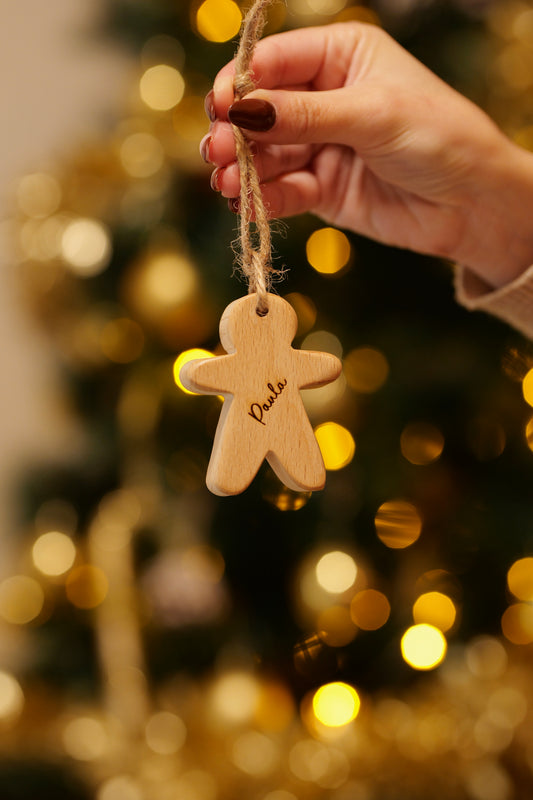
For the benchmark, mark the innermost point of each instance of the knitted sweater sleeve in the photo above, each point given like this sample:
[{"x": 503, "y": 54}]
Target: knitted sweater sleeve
[{"x": 512, "y": 303}]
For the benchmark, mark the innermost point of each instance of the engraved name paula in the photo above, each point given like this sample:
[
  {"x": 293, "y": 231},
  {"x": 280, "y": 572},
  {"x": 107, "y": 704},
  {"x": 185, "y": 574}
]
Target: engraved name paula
[{"x": 258, "y": 410}]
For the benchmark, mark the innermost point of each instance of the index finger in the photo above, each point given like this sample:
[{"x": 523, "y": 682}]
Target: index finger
[{"x": 316, "y": 57}]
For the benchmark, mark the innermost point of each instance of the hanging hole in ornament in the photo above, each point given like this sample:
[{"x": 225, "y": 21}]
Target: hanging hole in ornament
[{"x": 261, "y": 311}]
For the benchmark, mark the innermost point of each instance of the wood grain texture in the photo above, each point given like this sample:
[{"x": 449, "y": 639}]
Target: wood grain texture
[{"x": 263, "y": 415}]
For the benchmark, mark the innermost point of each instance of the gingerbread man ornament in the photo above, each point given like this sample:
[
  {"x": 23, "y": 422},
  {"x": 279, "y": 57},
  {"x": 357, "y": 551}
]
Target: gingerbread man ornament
[{"x": 263, "y": 415}]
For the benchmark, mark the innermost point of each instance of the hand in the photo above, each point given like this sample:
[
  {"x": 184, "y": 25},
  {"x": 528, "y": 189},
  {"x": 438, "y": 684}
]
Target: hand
[{"x": 354, "y": 129}]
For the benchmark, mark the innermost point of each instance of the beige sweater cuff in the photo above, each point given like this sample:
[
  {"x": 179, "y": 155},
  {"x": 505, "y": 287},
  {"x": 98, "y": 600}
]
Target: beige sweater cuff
[{"x": 513, "y": 303}]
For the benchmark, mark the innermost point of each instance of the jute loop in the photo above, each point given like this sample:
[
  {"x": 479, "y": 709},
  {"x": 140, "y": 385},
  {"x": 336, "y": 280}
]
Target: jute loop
[{"x": 255, "y": 255}]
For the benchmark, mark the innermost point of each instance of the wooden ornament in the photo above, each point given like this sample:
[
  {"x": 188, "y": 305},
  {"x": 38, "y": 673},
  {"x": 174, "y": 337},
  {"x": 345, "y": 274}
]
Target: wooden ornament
[{"x": 263, "y": 415}]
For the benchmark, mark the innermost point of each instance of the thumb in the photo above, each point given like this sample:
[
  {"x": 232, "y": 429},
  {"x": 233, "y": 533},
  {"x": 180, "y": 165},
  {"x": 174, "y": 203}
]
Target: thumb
[{"x": 351, "y": 116}]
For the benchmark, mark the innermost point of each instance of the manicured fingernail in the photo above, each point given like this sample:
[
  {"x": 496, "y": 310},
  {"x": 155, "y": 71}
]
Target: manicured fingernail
[
  {"x": 205, "y": 144},
  {"x": 234, "y": 204},
  {"x": 253, "y": 114},
  {"x": 215, "y": 179},
  {"x": 210, "y": 106}
]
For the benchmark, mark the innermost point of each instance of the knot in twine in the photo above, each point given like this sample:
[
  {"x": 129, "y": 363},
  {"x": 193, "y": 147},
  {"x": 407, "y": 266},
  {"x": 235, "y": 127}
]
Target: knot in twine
[{"x": 255, "y": 259}]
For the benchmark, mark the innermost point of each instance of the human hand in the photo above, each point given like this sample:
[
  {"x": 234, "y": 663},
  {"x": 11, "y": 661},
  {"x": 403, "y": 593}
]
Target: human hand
[{"x": 348, "y": 125}]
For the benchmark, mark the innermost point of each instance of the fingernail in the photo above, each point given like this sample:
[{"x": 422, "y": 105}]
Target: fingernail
[
  {"x": 205, "y": 144},
  {"x": 234, "y": 204},
  {"x": 253, "y": 114},
  {"x": 210, "y": 106},
  {"x": 215, "y": 178}
]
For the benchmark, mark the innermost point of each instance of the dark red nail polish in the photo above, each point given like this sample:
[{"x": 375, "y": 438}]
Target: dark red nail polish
[
  {"x": 210, "y": 106},
  {"x": 234, "y": 205},
  {"x": 205, "y": 144},
  {"x": 253, "y": 114}
]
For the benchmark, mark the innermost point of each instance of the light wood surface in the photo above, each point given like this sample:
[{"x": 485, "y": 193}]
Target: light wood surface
[{"x": 263, "y": 415}]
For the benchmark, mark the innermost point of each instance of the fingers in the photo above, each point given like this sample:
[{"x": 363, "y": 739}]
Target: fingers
[
  {"x": 297, "y": 57},
  {"x": 270, "y": 162},
  {"x": 289, "y": 195}
]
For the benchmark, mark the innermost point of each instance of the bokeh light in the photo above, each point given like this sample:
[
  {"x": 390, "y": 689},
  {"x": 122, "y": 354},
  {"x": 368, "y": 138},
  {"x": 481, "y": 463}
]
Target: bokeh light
[
  {"x": 527, "y": 387},
  {"x": 520, "y": 579},
  {"x": 323, "y": 342},
  {"x": 486, "y": 657},
  {"x": 421, "y": 443},
  {"x": 336, "y": 627},
  {"x": 86, "y": 586},
  {"x": 86, "y": 247},
  {"x": 336, "y": 571},
  {"x": 423, "y": 646},
  {"x": 38, "y": 195},
  {"x": 436, "y": 609},
  {"x": 398, "y": 524},
  {"x": 85, "y": 738},
  {"x": 162, "y": 87},
  {"x": 21, "y": 599},
  {"x": 328, "y": 251},
  {"x": 218, "y": 20},
  {"x": 11, "y": 698},
  {"x": 234, "y": 696},
  {"x": 53, "y": 553},
  {"x": 517, "y": 623},
  {"x": 305, "y": 311},
  {"x": 165, "y": 733},
  {"x": 370, "y": 609},
  {"x": 120, "y": 787},
  {"x": 336, "y": 444},
  {"x": 366, "y": 369},
  {"x": 122, "y": 340},
  {"x": 141, "y": 154},
  {"x": 184, "y": 358},
  {"x": 255, "y": 754},
  {"x": 529, "y": 434},
  {"x": 336, "y": 704}
]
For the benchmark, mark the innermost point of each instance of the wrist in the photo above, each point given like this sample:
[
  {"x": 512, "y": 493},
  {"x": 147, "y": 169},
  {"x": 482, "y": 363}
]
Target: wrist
[{"x": 499, "y": 218}]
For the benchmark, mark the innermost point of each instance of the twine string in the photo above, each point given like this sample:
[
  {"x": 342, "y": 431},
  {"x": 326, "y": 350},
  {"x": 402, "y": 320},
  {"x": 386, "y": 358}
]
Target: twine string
[{"x": 255, "y": 242}]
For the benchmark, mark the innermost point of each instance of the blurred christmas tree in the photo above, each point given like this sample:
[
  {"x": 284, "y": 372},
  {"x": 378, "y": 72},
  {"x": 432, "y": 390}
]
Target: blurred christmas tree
[{"x": 369, "y": 642}]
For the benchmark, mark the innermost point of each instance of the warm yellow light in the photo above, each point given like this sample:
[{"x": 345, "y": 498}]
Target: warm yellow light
[
  {"x": 486, "y": 658},
  {"x": 11, "y": 698},
  {"x": 53, "y": 553},
  {"x": 335, "y": 626},
  {"x": 218, "y": 20},
  {"x": 162, "y": 87},
  {"x": 124, "y": 787},
  {"x": 38, "y": 195},
  {"x": 421, "y": 443},
  {"x": 366, "y": 369},
  {"x": 184, "y": 358},
  {"x": 370, "y": 609},
  {"x": 235, "y": 696},
  {"x": 165, "y": 733},
  {"x": 21, "y": 599},
  {"x": 527, "y": 387},
  {"x": 328, "y": 251},
  {"x": 85, "y": 739},
  {"x": 336, "y": 572},
  {"x": 255, "y": 754},
  {"x": 358, "y": 13},
  {"x": 305, "y": 311},
  {"x": 336, "y": 444},
  {"x": 86, "y": 247},
  {"x": 188, "y": 119},
  {"x": 436, "y": 609},
  {"x": 423, "y": 646},
  {"x": 142, "y": 154},
  {"x": 517, "y": 623},
  {"x": 326, "y": 6},
  {"x": 520, "y": 579},
  {"x": 122, "y": 340},
  {"x": 529, "y": 434},
  {"x": 323, "y": 342},
  {"x": 86, "y": 586},
  {"x": 336, "y": 704},
  {"x": 168, "y": 280},
  {"x": 398, "y": 524}
]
